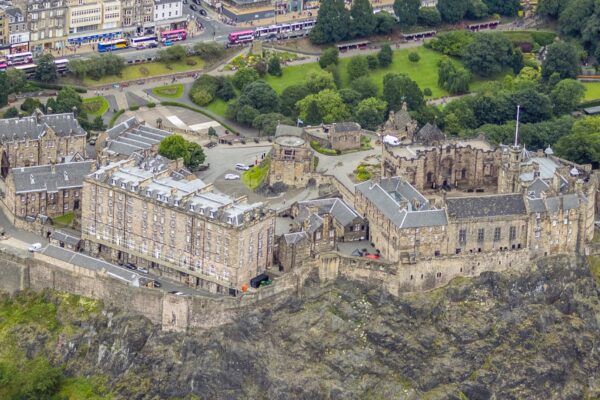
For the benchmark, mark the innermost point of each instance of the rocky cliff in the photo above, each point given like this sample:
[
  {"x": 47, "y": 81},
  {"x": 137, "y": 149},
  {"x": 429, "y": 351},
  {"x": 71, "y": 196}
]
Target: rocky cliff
[{"x": 527, "y": 335}]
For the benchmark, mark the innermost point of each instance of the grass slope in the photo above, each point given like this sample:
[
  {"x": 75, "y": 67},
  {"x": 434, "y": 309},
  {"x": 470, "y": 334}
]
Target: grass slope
[
  {"x": 96, "y": 106},
  {"x": 592, "y": 91},
  {"x": 254, "y": 177}
]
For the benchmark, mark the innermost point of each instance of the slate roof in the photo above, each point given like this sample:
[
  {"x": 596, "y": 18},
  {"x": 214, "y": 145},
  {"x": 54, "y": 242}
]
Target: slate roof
[
  {"x": 50, "y": 179},
  {"x": 388, "y": 194},
  {"x": 346, "y": 127},
  {"x": 402, "y": 118},
  {"x": 65, "y": 238},
  {"x": 336, "y": 207},
  {"x": 36, "y": 126},
  {"x": 429, "y": 133},
  {"x": 486, "y": 206},
  {"x": 537, "y": 187},
  {"x": 555, "y": 204},
  {"x": 288, "y": 130},
  {"x": 296, "y": 237},
  {"x": 131, "y": 136}
]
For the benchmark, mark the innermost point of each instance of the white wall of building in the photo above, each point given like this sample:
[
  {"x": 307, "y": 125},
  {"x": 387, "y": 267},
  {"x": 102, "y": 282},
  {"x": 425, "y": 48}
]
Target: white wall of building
[{"x": 168, "y": 10}]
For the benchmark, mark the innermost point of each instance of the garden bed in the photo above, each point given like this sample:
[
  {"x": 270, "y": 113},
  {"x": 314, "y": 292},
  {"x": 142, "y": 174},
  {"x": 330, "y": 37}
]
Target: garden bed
[
  {"x": 95, "y": 106},
  {"x": 170, "y": 91}
]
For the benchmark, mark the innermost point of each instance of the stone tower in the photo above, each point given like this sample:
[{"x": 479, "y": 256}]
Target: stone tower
[{"x": 510, "y": 169}]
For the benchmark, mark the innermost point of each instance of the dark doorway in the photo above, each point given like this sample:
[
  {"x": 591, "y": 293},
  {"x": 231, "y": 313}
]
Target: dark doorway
[
  {"x": 4, "y": 165},
  {"x": 76, "y": 205}
]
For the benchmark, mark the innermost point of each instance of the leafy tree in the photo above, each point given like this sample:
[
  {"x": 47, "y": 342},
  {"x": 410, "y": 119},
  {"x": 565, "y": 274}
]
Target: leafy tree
[
  {"x": 407, "y": 11},
  {"x": 372, "y": 61},
  {"x": 365, "y": 87},
  {"x": 244, "y": 76},
  {"x": 330, "y": 107},
  {"x": 290, "y": 96},
  {"x": 398, "y": 88},
  {"x": 4, "y": 85},
  {"x": 414, "y": 57},
  {"x": 463, "y": 110},
  {"x": 518, "y": 61},
  {"x": 66, "y": 100},
  {"x": 275, "y": 66},
  {"x": 204, "y": 89},
  {"x": 30, "y": 104},
  {"x": 16, "y": 80},
  {"x": 171, "y": 54},
  {"x": 350, "y": 97},
  {"x": 452, "y": 10},
  {"x": 493, "y": 108},
  {"x": 209, "y": 51},
  {"x": 267, "y": 123},
  {"x": 566, "y": 95},
  {"x": 427, "y": 92},
  {"x": 385, "y": 56},
  {"x": 175, "y": 146},
  {"x": 97, "y": 124},
  {"x": 550, "y": 8},
  {"x": 329, "y": 56},
  {"x": 46, "y": 69},
  {"x": 488, "y": 54},
  {"x": 574, "y": 17},
  {"x": 561, "y": 58},
  {"x": 357, "y": 67},
  {"x": 582, "y": 145},
  {"x": 455, "y": 79},
  {"x": 453, "y": 43},
  {"x": 429, "y": 16},
  {"x": 503, "y": 7},
  {"x": 430, "y": 114},
  {"x": 370, "y": 113},
  {"x": 363, "y": 20},
  {"x": 477, "y": 9},
  {"x": 260, "y": 96},
  {"x": 317, "y": 81},
  {"x": 333, "y": 23},
  {"x": 225, "y": 90},
  {"x": 12, "y": 112},
  {"x": 384, "y": 23},
  {"x": 312, "y": 115},
  {"x": 212, "y": 131},
  {"x": 261, "y": 67},
  {"x": 535, "y": 106}
]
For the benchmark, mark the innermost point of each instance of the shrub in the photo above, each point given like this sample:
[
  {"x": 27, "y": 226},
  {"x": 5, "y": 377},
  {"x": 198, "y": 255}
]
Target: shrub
[
  {"x": 204, "y": 90},
  {"x": 144, "y": 71},
  {"x": 329, "y": 56},
  {"x": 150, "y": 105},
  {"x": 427, "y": 92},
  {"x": 543, "y": 38},
  {"x": 190, "y": 61},
  {"x": 134, "y": 108},
  {"x": 372, "y": 61},
  {"x": 201, "y": 96},
  {"x": 414, "y": 57}
]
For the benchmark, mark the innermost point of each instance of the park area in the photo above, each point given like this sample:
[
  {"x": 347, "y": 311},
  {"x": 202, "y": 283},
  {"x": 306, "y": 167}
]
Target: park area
[
  {"x": 174, "y": 91},
  {"x": 592, "y": 91},
  {"x": 95, "y": 106},
  {"x": 255, "y": 176}
]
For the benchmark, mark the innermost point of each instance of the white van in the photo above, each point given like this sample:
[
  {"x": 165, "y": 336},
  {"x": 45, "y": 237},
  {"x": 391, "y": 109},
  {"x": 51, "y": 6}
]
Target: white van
[
  {"x": 242, "y": 167},
  {"x": 35, "y": 247}
]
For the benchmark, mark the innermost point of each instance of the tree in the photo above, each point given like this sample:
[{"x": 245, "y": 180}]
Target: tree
[
  {"x": 329, "y": 56},
  {"x": 399, "y": 88},
  {"x": 385, "y": 56},
  {"x": 16, "y": 80},
  {"x": 312, "y": 115},
  {"x": 414, "y": 57},
  {"x": 518, "y": 61},
  {"x": 225, "y": 90},
  {"x": 171, "y": 54},
  {"x": 363, "y": 20},
  {"x": 357, "y": 67},
  {"x": 333, "y": 23},
  {"x": 407, "y": 11},
  {"x": 46, "y": 69},
  {"x": 566, "y": 95},
  {"x": 267, "y": 123},
  {"x": 562, "y": 58},
  {"x": 384, "y": 23},
  {"x": 550, "y": 8},
  {"x": 452, "y": 10},
  {"x": 317, "y": 81},
  {"x": 535, "y": 106},
  {"x": 335, "y": 74},
  {"x": 350, "y": 97},
  {"x": 429, "y": 16},
  {"x": 12, "y": 112},
  {"x": 453, "y": 43},
  {"x": 290, "y": 96},
  {"x": 261, "y": 67},
  {"x": 503, "y": 7},
  {"x": 209, "y": 51},
  {"x": 574, "y": 17},
  {"x": 583, "y": 144},
  {"x": 246, "y": 115},
  {"x": 67, "y": 100},
  {"x": 260, "y": 96},
  {"x": 488, "y": 54},
  {"x": 195, "y": 156},
  {"x": 275, "y": 66},
  {"x": 173, "y": 147},
  {"x": 4, "y": 85},
  {"x": 427, "y": 92},
  {"x": 212, "y": 131},
  {"x": 30, "y": 104},
  {"x": 244, "y": 76},
  {"x": 204, "y": 89},
  {"x": 455, "y": 79},
  {"x": 365, "y": 87},
  {"x": 372, "y": 61},
  {"x": 329, "y": 104},
  {"x": 477, "y": 9},
  {"x": 370, "y": 113}
]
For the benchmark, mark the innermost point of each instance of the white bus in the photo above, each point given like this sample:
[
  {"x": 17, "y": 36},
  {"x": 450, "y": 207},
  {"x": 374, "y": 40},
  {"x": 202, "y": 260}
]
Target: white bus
[
  {"x": 61, "y": 65},
  {"x": 28, "y": 70},
  {"x": 19, "y": 58},
  {"x": 143, "y": 42}
]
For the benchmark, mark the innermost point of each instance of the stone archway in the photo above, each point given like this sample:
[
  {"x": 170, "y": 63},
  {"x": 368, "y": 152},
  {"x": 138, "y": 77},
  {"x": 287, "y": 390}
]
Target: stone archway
[{"x": 312, "y": 182}]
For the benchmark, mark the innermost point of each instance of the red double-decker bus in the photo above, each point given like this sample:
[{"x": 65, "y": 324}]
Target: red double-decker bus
[
  {"x": 240, "y": 37},
  {"x": 173, "y": 36}
]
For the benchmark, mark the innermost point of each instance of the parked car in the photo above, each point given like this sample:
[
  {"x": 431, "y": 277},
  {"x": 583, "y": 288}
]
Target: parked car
[
  {"x": 242, "y": 167},
  {"x": 193, "y": 7},
  {"x": 157, "y": 283},
  {"x": 202, "y": 11},
  {"x": 35, "y": 247},
  {"x": 231, "y": 177},
  {"x": 130, "y": 266},
  {"x": 175, "y": 292},
  {"x": 211, "y": 145},
  {"x": 142, "y": 270}
]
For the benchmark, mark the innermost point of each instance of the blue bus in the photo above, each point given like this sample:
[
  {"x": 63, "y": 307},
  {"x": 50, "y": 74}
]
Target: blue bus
[{"x": 112, "y": 45}]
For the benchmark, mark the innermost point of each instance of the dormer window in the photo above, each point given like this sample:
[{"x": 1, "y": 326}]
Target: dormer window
[
  {"x": 230, "y": 220},
  {"x": 66, "y": 175},
  {"x": 31, "y": 179},
  {"x": 149, "y": 193},
  {"x": 176, "y": 202},
  {"x": 212, "y": 214},
  {"x": 191, "y": 207},
  {"x": 113, "y": 181}
]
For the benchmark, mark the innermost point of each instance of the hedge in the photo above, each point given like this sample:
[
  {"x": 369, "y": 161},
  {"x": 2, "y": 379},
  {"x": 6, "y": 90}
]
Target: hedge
[
  {"x": 56, "y": 86},
  {"x": 115, "y": 117}
]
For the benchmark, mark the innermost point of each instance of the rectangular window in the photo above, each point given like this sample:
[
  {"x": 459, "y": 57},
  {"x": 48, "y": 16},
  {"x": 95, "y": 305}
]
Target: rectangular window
[
  {"x": 481, "y": 235},
  {"x": 497, "y": 234},
  {"x": 462, "y": 236},
  {"x": 513, "y": 232}
]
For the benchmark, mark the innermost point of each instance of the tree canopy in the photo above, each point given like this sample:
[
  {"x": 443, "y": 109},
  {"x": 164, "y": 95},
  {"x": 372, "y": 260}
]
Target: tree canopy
[
  {"x": 363, "y": 20},
  {"x": 407, "y": 11},
  {"x": 370, "y": 113},
  {"x": 333, "y": 23},
  {"x": 453, "y": 10},
  {"x": 327, "y": 103},
  {"x": 175, "y": 146},
  {"x": 46, "y": 69},
  {"x": 488, "y": 54},
  {"x": 561, "y": 58},
  {"x": 399, "y": 88}
]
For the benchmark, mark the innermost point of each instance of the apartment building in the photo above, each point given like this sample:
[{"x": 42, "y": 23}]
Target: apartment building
[
  {"x": 47, "y": 23},
  {"x": 39, "y": 139},
  {"x": 138, "y": 15},
  {"x": 168, "y": 14},
  {"x": 153, "y": 213},
  {"x": 18, "y": 30},
  {"x": 3, "y": 26}
]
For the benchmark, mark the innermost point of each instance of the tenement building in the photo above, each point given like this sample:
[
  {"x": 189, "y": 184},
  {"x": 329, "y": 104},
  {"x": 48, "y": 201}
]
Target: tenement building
[
  {"x": 46, "y": 190},
  {"x": 153, "y": 213},
  {"x": 39, "y": 139}
]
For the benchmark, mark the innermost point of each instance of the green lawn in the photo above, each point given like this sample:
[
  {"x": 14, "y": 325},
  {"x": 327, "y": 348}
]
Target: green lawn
[
  {"x": 592, "y": 91},
  {"x": 141, "y": 71},
  {"x": 64, "y": 220},
  {"x": 170, "y": 91},
  {"x": 217, "y": 107},
  {"x": 95, "y": 106},
  {"x": 255, "y": 175}
]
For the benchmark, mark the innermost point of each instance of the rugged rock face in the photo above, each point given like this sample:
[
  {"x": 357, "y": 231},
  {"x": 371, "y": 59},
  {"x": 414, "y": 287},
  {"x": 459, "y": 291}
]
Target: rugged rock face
[{"x": 527, "y": 335}]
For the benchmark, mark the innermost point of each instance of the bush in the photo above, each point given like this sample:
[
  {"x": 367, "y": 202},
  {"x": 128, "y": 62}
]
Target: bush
[
  {"x": 209, "y": 51},
  {"x": 190, "y": 61},
  {"x": 372, "y": 61},
  {"x": 427, "y": 92},
  {"x": 134, "y": 108},
  {"x": 144, "y": 71},
  {"x": 317, "y": 147},
  {"x": 453, "y": 43},
  {"x": 414, "y": 57},
  {"x": 329, "y": 56},
  {"x": 543, "y": 38},
  {"x": 357, "y": 67},
  {"x": 204, "y": 90},
  {"x": 150, "y": 105},
  {"x": 201, "y": 96},
  {"x": 385, "y": 56}
]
